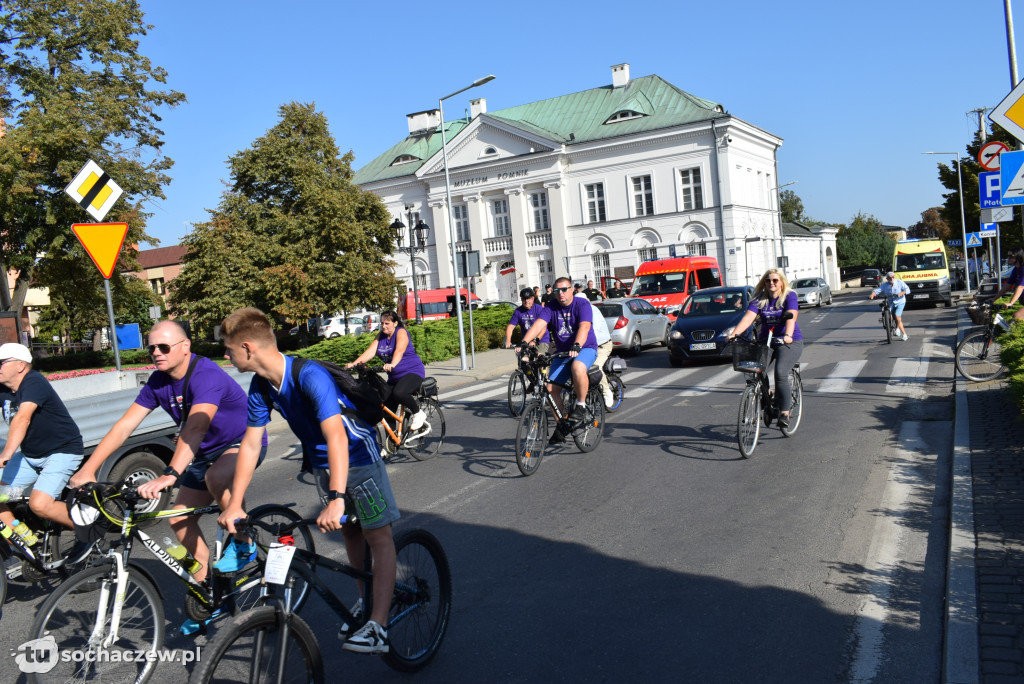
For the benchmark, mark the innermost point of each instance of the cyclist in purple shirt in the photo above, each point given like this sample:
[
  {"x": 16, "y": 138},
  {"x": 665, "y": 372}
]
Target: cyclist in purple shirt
[
  {"x": 570, "y": 322},
  {"x": 525, "y": 316},
  {"x": 772, "y": 299},
  {"x": 1015, "y": 283},
  {"x": 211, "y": 414}
]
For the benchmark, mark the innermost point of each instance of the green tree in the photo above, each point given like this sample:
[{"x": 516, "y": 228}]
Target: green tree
[
  {"x": 293, "y": 236},
  {"x": 864, "y": 243},
  {"x": 931, "y": 225},
  {"x": 73, "y": 87},
  {"x": 791, "y": 207}
]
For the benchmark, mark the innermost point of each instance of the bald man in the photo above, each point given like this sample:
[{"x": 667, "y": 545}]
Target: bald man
[{"x": 210, "y": 409}]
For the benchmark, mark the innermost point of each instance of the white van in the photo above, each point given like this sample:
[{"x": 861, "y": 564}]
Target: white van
[{"x": 335, "y": 326}]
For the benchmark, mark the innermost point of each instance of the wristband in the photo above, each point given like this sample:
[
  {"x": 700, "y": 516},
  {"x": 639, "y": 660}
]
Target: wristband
[
  {"x": 335, "y": 494},
  {"x": 171, "y": 471}
]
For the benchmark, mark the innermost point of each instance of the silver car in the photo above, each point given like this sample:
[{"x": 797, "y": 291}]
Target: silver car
[
  {"x": 812, "y": 291},
  {"x": 633, "y": 323}
]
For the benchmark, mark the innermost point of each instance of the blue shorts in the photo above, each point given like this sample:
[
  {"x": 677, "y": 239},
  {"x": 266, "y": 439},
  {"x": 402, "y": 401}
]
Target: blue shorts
[
  {"x": 370, "y": 488},
  {"x": 561, "y": 368},
  {"x": 49, "y": 474},
  {"x": 898, "y": 304},
  {"x": 194, "y": 476}
]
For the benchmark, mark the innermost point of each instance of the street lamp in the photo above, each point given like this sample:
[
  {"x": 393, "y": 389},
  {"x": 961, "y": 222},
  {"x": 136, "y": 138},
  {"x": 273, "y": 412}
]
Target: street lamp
[
  {"x": 782, "y": 233},
  {"x": 963, "y": 220},
  {"x": 417, "y": 243},
  {"x": 451, "y": 217}
]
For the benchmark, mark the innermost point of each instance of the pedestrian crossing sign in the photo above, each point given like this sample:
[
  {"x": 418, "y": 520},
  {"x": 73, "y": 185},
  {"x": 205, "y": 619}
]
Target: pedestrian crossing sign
[
  {"x": 973, "y": 240},
  {"x": 1011, "y": 177}
]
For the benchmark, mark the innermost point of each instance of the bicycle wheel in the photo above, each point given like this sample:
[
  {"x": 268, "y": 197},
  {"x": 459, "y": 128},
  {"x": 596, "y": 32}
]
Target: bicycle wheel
[
  {"x": 273, "y": 513},
  {"x": 618, "y": 393},
  {"x": 531, "y": 437},
  {"x": 978, "y": 356},
  {"x": 70, "y": 614},
  {"x": 797, "y": 409},
  {"x": 3, "y": 590},
  {"x": 589, "y": 435},
  {"x": 427, "y": 441},
  {"x": 748, "y": 421},
  {"x": 423, "y": 601},
  {"x": 887, "y": 324},
  {"x": 249, "y": 649},
  {"x": 516, "y": 392}
]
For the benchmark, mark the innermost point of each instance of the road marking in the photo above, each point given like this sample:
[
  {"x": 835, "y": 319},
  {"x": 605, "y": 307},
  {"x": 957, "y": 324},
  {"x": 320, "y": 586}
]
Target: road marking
[
  {"x": 714, "y": 382},
  {"x": 667, "y": 378},
  {"x": 489, "y": 388},
  {"x": 909, "y": 377},
  {"x": 840, "y": 380}
]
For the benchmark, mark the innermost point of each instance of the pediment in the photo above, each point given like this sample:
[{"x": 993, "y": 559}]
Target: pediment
[{"x": 486, "y": 141}]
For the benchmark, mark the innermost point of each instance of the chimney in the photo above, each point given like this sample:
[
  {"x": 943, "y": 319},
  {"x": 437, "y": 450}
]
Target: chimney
[
  {"x": 423, "y": 121},
  {"x": 620, "y": 75},
  {"x": 477, "y": 107}
]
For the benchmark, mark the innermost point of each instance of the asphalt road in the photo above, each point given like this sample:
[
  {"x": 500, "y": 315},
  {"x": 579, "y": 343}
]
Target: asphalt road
[{"x": 664, "y": 555}]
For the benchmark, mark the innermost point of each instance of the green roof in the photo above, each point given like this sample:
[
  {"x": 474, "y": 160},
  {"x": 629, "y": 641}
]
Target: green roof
[{"x": 569, "y": 119}]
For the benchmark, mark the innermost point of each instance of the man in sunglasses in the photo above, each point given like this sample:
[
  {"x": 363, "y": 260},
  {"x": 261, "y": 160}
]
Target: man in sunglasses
[
  {"x": 898, "y": 290},
  {"x": 570, "y": 322},
  {"x": 43, "y": 444},
  {"x": 210, "y": 409}
]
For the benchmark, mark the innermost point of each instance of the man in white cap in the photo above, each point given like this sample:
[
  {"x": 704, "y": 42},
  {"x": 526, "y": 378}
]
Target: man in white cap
[
  {"x": 898, "y": 290},
  {"x": 44, "y": 446}
]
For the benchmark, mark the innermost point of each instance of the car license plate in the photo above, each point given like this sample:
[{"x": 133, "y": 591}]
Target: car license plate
[
  {"x": 700, "y": 346},
  {"x": 922, "y": 296}
]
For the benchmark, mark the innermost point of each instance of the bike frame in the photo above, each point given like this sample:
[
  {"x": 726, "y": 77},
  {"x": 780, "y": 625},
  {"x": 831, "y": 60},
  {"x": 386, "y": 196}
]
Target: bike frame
[{"x": 18, "y": 547}]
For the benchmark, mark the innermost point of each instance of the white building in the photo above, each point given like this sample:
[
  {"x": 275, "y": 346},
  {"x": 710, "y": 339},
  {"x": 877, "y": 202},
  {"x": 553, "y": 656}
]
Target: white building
[{"x": 592, "y": 184}]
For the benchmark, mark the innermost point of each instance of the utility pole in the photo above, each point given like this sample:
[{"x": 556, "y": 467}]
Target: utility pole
[{"x": 981, "y": 111}]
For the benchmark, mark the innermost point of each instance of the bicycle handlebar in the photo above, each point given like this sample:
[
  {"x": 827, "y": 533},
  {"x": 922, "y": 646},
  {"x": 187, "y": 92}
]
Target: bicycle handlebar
[{"x": 279, "y": 529}]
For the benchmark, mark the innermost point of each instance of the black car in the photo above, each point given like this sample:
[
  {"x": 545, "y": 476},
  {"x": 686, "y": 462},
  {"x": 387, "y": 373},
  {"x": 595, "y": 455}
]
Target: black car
[
  {"x": 871, "y": 277},
  {"x": 705, "y": 321}
]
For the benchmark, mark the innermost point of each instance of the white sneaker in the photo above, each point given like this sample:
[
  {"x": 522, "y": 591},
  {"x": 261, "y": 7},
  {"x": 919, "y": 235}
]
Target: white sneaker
[
  {"x": 418, "y": 419},
  {"x": 371, "y": 638},
  {"x": 904, "y": 337},
  {"x": 608, "y": 398}
]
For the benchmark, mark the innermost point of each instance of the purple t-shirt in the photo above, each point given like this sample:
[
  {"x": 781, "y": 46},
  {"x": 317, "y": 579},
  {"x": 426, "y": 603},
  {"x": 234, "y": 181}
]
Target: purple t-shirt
[
  {"x": 771, "y": 315},
  {"x": 525, "y": 318},
  {"x": 1016, "y": 277},
  {"x": 209, "y": 384},
  {"x": 411, "y": 362},
  {"x": 563, "y": 322}
]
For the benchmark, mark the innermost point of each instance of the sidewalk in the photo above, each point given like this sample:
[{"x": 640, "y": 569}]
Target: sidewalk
[{"x": 489, "y": 364}]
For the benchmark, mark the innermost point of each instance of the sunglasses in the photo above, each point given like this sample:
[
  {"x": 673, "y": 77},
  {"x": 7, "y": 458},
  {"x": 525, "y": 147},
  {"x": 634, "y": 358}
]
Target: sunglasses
[
  {"x": 163, "y": 347},
  {"x": 774, "y": 280},
  {"x": 562, "y": 289}
]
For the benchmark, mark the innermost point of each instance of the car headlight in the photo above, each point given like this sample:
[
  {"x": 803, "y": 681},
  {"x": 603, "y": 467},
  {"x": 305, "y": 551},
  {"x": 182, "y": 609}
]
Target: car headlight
[
  {"x": 812, "y": 296},
  {"x": 672, "y": 311},
  {"x": 944, "y": 281},
  {"x": 728, "y": 331},
  {"x": 676, "y": 335}
]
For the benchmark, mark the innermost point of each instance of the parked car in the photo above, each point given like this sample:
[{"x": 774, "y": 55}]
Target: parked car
[
  {"x": 492, "y": 303},
  {"x": 335, "y": 327},
  {"x": 871, "y": 277},
  {"x": 705, "y": 321},
  {"x": 633, "y": 323},
  {"x": 812, "y": 291}
]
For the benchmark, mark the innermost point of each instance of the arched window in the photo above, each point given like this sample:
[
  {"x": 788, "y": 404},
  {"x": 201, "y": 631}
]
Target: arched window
[
  {"x": 693, "y": 237},
  {"x": 404, "y": 159},
  {"x": 645, "y": 241},
  {"x": 624, "y": 115},
  {"x": 489, "y": 151}
]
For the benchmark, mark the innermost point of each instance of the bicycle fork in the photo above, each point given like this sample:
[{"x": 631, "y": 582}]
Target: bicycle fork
[{"x": 120, "y": 584}]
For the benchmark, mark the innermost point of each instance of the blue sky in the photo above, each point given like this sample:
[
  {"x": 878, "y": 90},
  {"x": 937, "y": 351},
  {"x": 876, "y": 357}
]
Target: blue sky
[{"x": 856, "y": 90}]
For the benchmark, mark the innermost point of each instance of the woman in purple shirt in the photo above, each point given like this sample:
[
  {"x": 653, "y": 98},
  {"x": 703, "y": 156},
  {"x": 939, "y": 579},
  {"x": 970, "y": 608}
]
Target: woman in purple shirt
[
  {"x": 771, "y": 301},
  {"x": 404, "y": 366},
  {"x": 1015, "y": 283}
]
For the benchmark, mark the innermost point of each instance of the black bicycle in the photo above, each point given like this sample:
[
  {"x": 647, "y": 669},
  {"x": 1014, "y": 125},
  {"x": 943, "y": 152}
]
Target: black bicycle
[
  {"x": 519, "y": 382},
  {"x": 888, "y": 319},
  {"x": 114, "y": 608},
  {"x": 978, "y": 353},
  {"x": 757, "y": 403},
  {"x": 532, "y": 432},
  {"x": 271, "y": 643}
]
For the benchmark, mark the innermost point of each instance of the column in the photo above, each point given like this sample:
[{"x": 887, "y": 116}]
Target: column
[
  {"x": 442, "y": 243},
  {"x": 518, "y": 220},
  {"x": 476, "y": 210},
  {"x": 558, "y": 212}
]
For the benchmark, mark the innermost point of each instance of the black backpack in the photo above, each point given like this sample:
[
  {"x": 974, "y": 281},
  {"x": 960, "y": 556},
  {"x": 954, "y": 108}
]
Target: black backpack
[{"x": 363, "y": 395}]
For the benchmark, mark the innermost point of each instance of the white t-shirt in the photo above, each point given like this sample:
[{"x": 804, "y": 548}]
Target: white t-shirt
[{"x": 599, "y": 324}]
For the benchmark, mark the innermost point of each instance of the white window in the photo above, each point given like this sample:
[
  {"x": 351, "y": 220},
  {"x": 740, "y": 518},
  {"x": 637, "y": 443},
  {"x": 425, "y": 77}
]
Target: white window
[
  {"x": 601, "y": 265},
  {"x": 502, "y": 226},
  {"x": 692, "y": 190},
  {"x": 648, "y": 253},
  {"x": 624, "y": 115},
  {"x": 595, "y": 202},
  {"x": 643, "y": 196},
  {"x": 422, "y": 281},
  {"x": 697, "y": 249},
  {"x": 157, "y": 285},
  {"x": 539, "y": 204},
  {"x": 404, "y": 159},
  {"x": 544, "y": 269},
  {"x": 461, "y": 213}
]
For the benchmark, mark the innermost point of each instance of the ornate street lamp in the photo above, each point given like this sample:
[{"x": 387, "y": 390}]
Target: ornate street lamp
[{"x": 417, "y": 243}]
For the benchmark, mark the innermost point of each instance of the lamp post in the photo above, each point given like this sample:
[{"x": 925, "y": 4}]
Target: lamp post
[
  {"x": 417, "y": 240},
  {"x": 963, "y": 220},
  {"x": 778, "y": 205},
  {"x": 451, "y": 217}
]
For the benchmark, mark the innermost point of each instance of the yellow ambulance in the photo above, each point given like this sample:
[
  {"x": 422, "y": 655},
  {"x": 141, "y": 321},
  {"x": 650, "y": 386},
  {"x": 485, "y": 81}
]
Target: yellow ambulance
[{"x": 922, "y": 265}]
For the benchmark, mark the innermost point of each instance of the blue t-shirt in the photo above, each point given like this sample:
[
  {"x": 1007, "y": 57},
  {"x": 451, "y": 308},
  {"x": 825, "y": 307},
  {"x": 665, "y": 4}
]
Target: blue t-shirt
[
  {"x": 564, "y": 321},
  {"x": 525, "y": 318},
  {"x": 320, "y": 391},
  {"x": 771, "y": 315},
  {"x": 209, "y": 384}
]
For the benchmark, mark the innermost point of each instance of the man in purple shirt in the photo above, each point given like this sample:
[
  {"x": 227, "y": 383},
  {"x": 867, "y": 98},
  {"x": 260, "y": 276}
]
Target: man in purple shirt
[
  {"x": 569, "y": 321},
  {"x": 213, "y": 407}
]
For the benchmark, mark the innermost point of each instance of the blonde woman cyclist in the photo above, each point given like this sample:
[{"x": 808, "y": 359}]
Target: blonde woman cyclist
[{"x": 771, "y": 301}]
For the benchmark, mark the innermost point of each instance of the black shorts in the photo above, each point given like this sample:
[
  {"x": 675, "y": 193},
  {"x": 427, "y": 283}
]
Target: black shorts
[{"x": 194, "y": 476}]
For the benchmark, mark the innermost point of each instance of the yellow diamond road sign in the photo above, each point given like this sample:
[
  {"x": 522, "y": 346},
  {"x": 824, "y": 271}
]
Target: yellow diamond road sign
[{"x": 93, "y": 190}]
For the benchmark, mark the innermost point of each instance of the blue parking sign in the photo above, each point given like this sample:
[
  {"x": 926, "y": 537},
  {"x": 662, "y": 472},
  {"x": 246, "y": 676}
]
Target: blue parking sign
[{"x": 989, "y": 190}]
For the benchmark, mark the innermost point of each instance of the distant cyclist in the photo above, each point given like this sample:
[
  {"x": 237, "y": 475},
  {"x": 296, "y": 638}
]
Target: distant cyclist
[
  {"x": 772, "y": 299},
  {"x": 898, "y": 290},
  {"x": 525, "y": 316},
  {"x": 1015, "y": 283}
]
